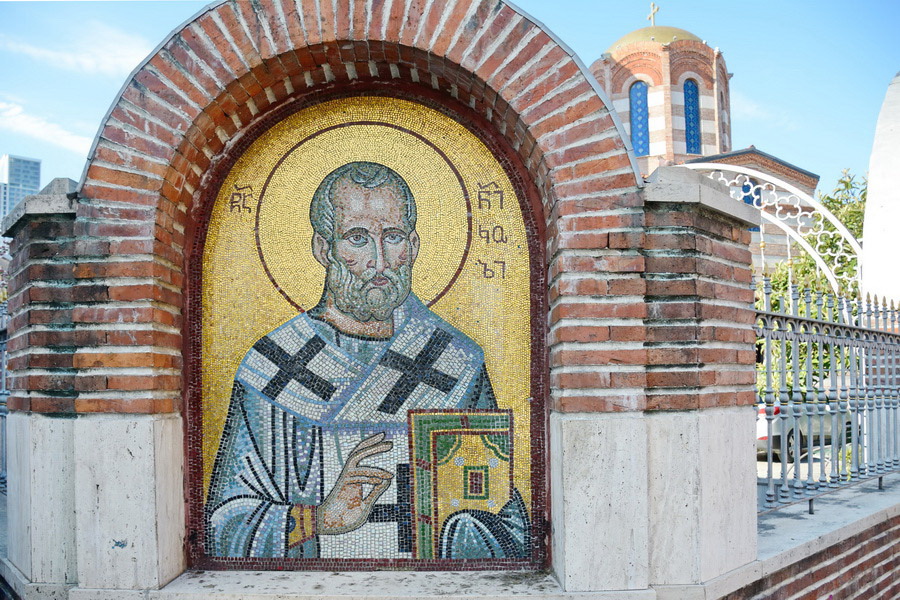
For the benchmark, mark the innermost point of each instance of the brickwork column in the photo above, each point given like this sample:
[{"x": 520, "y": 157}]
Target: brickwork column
[
  {"x": 596, "y": 340},
  {"x": 95, "y": 468},
  {"x": 700, "y": 380},
  {"x": 42, "y": 342}
]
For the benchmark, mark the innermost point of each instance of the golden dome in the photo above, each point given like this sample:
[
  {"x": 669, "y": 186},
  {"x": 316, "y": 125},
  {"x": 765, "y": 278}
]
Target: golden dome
[{"x": 660, "y": 34}]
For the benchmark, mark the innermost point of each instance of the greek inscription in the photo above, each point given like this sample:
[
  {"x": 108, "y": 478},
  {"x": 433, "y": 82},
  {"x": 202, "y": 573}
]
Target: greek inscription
[
  {"x": 489, "y": 193},
  {"x": 495, "y": 234},
  {"x": 241, "y": 199}
]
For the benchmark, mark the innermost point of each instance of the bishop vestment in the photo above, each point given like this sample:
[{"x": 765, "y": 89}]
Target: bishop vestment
[{"x": 303, "y": 397}]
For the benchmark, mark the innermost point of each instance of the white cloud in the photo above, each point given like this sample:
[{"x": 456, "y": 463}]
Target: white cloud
[
  {"x": 744, "y": 108},
  {"x": 100, "y": 50},
  {"x": 14, "y": 118}
]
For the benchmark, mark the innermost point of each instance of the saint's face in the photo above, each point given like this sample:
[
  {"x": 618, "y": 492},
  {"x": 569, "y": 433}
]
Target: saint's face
[{"x": 370, "y": 234}]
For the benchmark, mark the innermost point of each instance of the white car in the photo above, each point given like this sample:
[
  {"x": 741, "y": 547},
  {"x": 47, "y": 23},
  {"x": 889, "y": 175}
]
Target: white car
[{"x": 801, "y": 423}]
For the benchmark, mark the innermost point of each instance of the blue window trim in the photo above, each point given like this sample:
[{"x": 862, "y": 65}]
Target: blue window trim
[
  {"x": 640, "y": 118},
  {"x": 692, "y": 117}
]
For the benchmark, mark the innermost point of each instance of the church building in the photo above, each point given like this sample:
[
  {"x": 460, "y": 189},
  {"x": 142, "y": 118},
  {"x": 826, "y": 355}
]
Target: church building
[{"x": 672, "y": 92}]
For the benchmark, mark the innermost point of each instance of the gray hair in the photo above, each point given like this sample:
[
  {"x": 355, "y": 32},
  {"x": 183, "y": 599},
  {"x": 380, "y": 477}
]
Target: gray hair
[{"x": 366, "y": 174}]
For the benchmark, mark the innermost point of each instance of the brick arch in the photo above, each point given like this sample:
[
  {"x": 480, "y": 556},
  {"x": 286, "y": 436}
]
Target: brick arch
[
  {"x": 233, "y": 64},
  {"x": 687, "y": 63},
  {"x": 628, "y": 70}
]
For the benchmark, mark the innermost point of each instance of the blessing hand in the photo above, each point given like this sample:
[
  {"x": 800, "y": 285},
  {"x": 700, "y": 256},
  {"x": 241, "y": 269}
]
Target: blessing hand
[{"x": 345, "y": 508}]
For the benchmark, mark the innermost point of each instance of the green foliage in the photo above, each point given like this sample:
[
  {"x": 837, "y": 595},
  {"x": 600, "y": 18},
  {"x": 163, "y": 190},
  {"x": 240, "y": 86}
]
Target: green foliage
[{"x": 848, "y": 202}]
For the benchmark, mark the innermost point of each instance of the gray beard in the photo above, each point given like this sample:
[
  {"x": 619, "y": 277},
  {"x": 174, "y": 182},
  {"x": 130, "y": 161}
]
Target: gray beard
[{"x": 358, "y": 297}]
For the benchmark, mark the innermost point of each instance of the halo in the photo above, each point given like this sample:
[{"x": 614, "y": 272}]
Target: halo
[{"x": 284, "y": 234}]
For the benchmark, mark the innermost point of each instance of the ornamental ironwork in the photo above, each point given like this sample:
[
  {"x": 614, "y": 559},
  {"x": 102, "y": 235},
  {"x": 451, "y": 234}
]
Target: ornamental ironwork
[{"x": 800, "y": 217}]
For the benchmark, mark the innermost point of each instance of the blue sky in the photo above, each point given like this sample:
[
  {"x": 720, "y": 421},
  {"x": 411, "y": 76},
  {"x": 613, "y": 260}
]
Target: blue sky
[{"x": 809, "y": 77}]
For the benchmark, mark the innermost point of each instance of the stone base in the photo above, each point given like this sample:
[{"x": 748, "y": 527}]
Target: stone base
[
  {"x": 599, "y": 500},
  {"x": 702, "y": 467},
  {"x": 87, "y": 594},
  {"x": 27, "y": 590},
  {"x": 114, "y": 519},
  {"x": 512, "y": 585}
]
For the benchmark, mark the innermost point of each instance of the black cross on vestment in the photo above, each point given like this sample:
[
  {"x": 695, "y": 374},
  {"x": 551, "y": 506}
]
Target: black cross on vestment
[
  {"x": 416, "y": 370},
  {"x": 294, "y": 368},
  {"x": 400, "y": 513}
]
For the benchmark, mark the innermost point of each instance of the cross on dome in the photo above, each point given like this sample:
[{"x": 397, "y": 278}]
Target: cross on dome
[{"x": 652, "y": 16}]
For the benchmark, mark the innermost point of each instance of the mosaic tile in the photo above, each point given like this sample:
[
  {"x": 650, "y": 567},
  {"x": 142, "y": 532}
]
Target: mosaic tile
[{"x": 366, "y": 348}]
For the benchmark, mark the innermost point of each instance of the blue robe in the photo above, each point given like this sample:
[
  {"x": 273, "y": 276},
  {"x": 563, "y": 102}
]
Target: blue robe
[{"x": 303, "y": 397}]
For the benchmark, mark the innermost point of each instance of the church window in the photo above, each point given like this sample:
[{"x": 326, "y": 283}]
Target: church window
[
  {"x": 751, "y": 193},
  {"x": 640, "y": 127},
  {"x": 692, "y": 116}
]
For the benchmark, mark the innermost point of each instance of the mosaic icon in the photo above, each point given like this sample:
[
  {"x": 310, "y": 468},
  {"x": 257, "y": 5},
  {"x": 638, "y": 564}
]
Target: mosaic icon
[
  {"x": 366, "y": 285},
  {"x": 317, "y": 435}
]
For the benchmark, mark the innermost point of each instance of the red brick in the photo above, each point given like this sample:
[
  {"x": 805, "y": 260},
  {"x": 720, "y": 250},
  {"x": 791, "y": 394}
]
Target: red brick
[
  {"x": 376, "y": 14},
  {"x": 129, "y": 293},
  {"x": 579, "y": 241},
  {"x": 122, "y": 178},
  {"x": 451, "y": 26},
  {"x": 75, "y": 293},
  {"x": 252, "y": 49},
  {"x": 312, "y": 23},
  {"x": 413, "y": 17},
  {"x": 686, "y": 286},
  {"x": 672, "y": 356},
  {"x": 105, "y": 314},
  {"x": 138, "y": 95},
  {"x": 164, "y": 137},
  {"x": 52, "y": 405},
  {"x": 129, "y": 406},
  {"x": 151, "y": 82},
  {"x": 593, "y": 264},
  {"x": 605, "y": 310},
  {"x": 176, "y": 51},
  {"x": 673, "y": 378},
  {"x": 122, "y": 360},
  {"x": 18, "y": 403},
  {"x": 579, "y": 333},
  {"x": 90, "y": 383},
  {"x": 481, "y": 16},
  {"x": 499, "y": 79},
  {"x": 672, "y": 401},
  {"x": 627, "y": 287},
  {"x": 197, "y": 36},
  {"x": 581, "y": 287},
  {"x": 597, "y": 357},
  {"x": 230, "y": 66},
  {"x": 142, "y": 383},
  {"x": 34, "y": 360},
  {"x": 161, "y": 62},
  {"x": 124, "y": 337},
  {"x": 579, "y": 404},
  {"x": 675, "y": 310}
]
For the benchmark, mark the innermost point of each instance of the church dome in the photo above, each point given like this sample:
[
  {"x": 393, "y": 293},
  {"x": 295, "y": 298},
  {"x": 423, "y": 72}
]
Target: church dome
[{"x": 657, "y": 33}]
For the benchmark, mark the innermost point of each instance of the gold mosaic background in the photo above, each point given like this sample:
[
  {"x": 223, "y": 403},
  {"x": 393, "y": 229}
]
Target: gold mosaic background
[{"x": 241, "y": 303}]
